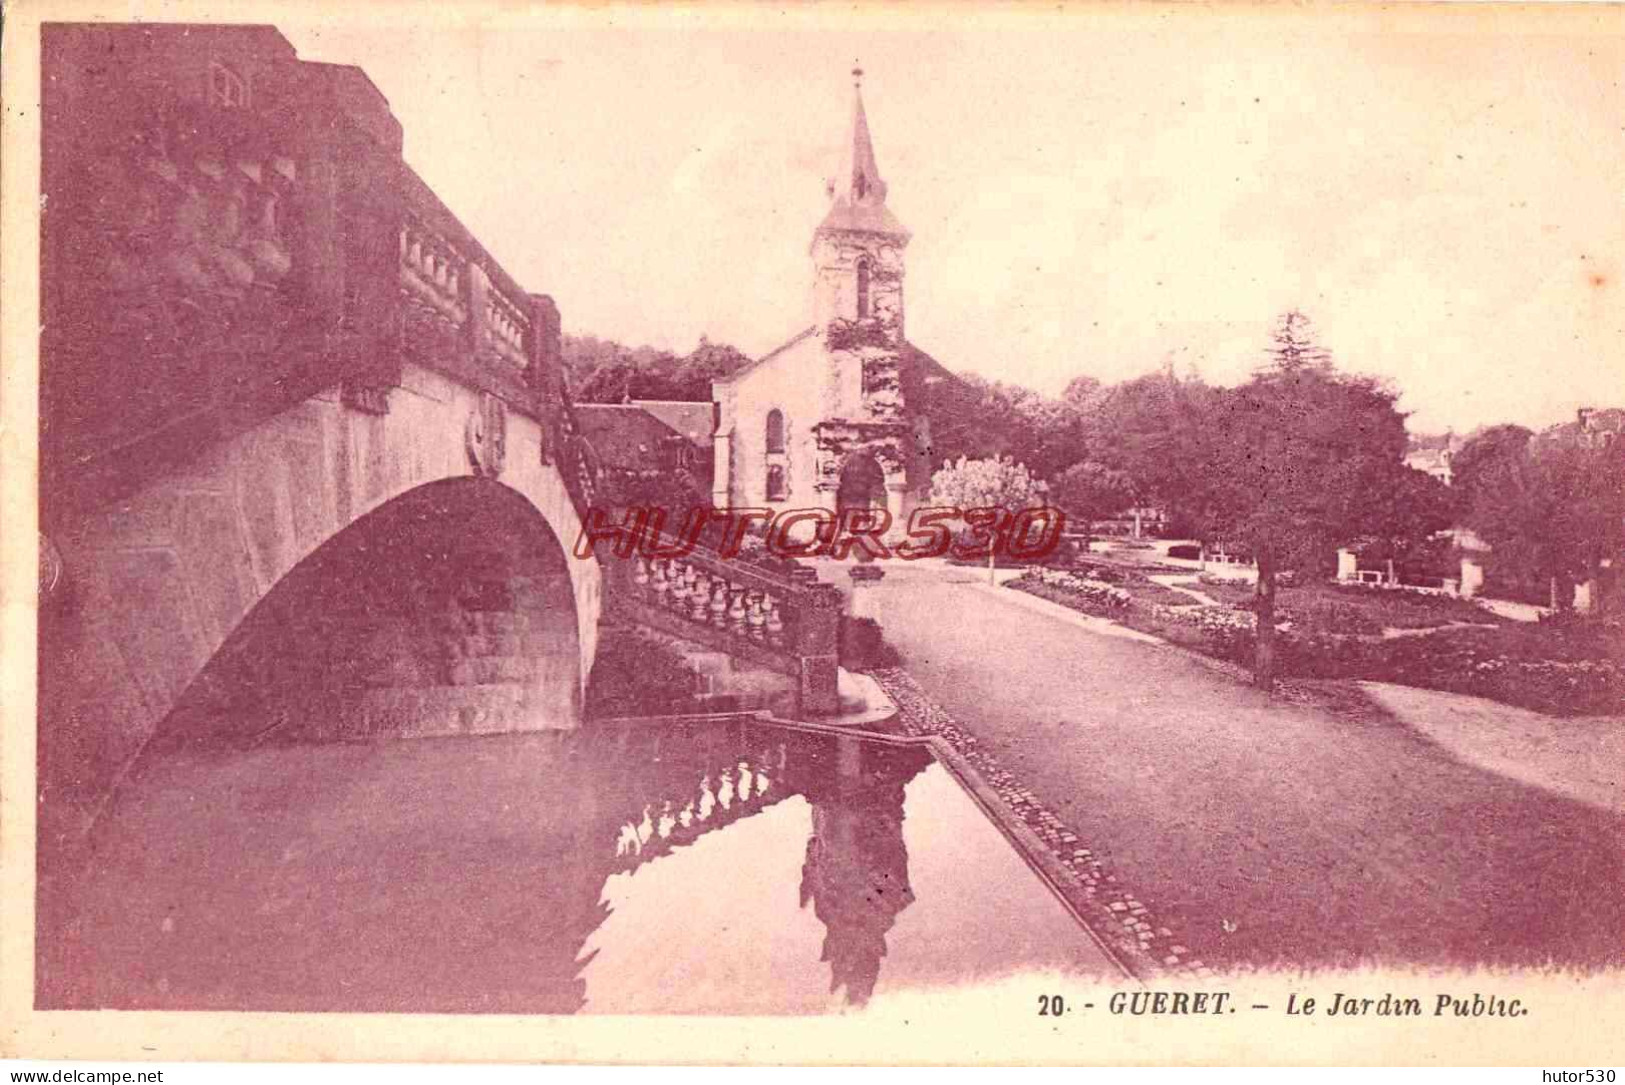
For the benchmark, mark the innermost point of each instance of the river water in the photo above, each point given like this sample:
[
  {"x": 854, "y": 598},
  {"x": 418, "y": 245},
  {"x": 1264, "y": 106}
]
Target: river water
[{"x": 717, "y": 866}]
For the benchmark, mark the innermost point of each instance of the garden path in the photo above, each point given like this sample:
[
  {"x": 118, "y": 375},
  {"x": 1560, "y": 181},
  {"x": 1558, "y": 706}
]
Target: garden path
[{"x": 1177, "y": 582}]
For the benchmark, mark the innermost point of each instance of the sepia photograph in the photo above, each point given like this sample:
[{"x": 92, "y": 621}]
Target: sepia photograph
[{"x": 1115, "y": 514}]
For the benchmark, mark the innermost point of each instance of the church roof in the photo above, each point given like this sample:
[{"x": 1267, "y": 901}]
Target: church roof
[
  {"x": 857, "y": 192},
  {"x": 768, "y": 357}
]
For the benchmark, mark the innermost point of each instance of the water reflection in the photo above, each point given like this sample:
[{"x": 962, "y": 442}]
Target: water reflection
[
  {"x": 856, "y": 870},
  {"x": 855, "y": 874},
  {"x": 459, "y": 875}
]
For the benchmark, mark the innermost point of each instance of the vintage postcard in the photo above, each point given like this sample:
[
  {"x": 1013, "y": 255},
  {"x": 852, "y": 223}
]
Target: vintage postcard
[{"x": 941, "y": 534}]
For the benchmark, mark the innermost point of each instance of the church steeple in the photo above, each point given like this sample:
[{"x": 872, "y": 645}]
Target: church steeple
[
  {"x": 857, "y": 250},
  {"x": 857, "y": 192}
]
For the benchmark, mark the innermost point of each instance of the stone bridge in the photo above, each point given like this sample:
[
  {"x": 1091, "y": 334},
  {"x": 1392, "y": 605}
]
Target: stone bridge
[
  {"x": 299, "y": 429},
  {"x": 308, "y": 463}
]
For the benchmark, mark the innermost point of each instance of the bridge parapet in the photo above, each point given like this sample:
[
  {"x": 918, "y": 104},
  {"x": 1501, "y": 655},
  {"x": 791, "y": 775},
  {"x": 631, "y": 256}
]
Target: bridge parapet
[{"x": 229, "y": 231}]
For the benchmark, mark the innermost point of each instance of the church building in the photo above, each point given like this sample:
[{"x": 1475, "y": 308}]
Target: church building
[{"x": 831, "y": 418}]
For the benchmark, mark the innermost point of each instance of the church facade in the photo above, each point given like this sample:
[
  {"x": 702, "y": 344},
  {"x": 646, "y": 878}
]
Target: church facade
[{"x": 825, "y": 420}]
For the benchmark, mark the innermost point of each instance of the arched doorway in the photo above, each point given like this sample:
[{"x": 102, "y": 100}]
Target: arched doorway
[
  {"x": 446, "y": 610},
  {"x": 862, "y": 485}
]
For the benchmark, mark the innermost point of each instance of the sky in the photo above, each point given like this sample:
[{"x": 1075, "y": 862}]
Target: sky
[{"x": 1095, "y": 192}]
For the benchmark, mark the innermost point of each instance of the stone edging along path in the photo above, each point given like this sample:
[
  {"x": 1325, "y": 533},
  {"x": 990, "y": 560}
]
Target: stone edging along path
[{"x": 1115, "y": 914}]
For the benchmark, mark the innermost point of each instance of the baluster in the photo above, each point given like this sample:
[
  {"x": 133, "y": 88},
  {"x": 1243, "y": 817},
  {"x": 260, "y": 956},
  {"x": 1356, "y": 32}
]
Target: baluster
[
  {"x": 640, "y": 575},
  {"x": 754, "y": 616},
  {"x": 678, "y": 596},
  {"x": 775, "y": 623},
  {"x": 736, "y": 609},
  {"x": 719, "y": 604},
  {"x": 699, "y": 606},
  {"x": 660, "y": 583}
]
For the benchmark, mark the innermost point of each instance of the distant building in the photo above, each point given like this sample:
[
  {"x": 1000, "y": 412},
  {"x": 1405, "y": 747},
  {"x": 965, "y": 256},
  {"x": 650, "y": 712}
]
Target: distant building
[
  {"x": 1593, "y": 427},
  {"x": 1435, "y": 456},
  {"x": 641, "y": 458},
  {"x": 696, "y": 421}
]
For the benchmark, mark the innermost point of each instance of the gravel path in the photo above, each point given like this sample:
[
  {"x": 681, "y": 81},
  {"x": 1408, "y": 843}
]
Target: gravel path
[{"x": 1265, "y": 831}]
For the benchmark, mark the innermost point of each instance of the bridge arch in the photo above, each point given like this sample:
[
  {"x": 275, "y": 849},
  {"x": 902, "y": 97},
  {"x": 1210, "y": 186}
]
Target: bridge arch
[
  {"x": 156, "y": 582},
  {"x": 448, "y": 609}
]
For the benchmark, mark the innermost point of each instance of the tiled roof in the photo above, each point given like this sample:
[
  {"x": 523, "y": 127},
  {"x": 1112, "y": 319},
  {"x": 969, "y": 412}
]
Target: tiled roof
[
  {"x": 696, "y": 421},
  {"x": 625, "y": 436}
]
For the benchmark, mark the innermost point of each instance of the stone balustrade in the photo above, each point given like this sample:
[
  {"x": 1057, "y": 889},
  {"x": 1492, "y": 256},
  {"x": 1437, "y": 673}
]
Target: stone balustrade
[
  {"x": 436, "y": 275},
  {"x": 707, "y": 596},
  {"x": 433, "y": 270},
  {"x": 507, "y": 327},
  {"x": 781, "y": 622}
]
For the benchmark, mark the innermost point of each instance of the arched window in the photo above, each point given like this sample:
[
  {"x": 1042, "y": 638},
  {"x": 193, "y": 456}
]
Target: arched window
[
  {"x": 863, "y": 288},
  {"x": 775, "y": 483},
  {"x": 775, "y": 430}
]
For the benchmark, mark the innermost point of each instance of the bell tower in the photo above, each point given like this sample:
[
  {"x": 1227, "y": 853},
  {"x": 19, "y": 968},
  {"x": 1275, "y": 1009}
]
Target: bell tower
[{"x": 857, "y": 250}]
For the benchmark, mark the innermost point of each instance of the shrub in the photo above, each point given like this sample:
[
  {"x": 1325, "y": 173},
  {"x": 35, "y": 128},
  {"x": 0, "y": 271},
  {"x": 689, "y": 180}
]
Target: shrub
[
  {"x": 637, "y": 675},
  {"x": 1186, "y": 551}
]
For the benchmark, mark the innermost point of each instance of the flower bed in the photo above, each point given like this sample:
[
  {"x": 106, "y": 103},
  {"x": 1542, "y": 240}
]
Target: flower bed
[
  {"x": 1073, "y": 586},
  {"x": 1352, "y": 609},
  {"x": 1566, "y": 675},
  {"x": 1567, "y": 671}
]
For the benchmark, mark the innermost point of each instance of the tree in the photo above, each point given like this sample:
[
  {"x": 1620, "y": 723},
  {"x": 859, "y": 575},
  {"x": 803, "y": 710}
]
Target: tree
[
  {"x": 1152, "y": 429},
  {"x": 604, "y": 371},
  {"x": 978, "y": 484},
  {"x": 1293, "y": 346},
  {"x": 977, "y": 418},
  {"x": 1551, "y": 507},
  {"x": 1092, "y": 491},
  {"x": 1296, "y": 462}
]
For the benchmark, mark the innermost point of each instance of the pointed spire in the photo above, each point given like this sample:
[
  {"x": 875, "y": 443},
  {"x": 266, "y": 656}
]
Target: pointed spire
[
  {"x": 863, "y": 178},
  {"x": 858, "y": 192}
]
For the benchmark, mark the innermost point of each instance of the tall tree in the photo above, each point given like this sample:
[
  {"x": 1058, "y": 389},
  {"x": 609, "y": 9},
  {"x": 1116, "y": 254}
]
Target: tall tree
[
  {"x": 1153, "y": 429},
  {"x": 1290, "y": 465},
  {"x": 1293, "y": 345}
]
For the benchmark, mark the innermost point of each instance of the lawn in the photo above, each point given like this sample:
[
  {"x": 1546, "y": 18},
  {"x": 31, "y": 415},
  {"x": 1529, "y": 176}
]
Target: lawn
[
  {"x": 1336, "y": 608},
  {"x": 1335, "y": 633}
]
